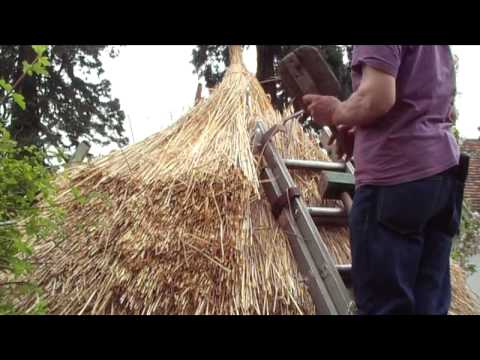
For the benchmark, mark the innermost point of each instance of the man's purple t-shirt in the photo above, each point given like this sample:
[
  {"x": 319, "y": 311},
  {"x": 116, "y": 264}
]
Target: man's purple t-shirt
[{"x": 413, "y": 140}]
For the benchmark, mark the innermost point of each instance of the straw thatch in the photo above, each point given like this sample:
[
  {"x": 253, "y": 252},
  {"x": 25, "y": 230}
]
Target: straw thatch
[{"x": 177, "y": 224}]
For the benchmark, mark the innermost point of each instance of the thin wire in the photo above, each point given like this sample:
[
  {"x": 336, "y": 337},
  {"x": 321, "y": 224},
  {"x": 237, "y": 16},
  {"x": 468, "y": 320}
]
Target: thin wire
[
  {"x": 131, "y": 129},
  {"x": 121, "y": 150}
]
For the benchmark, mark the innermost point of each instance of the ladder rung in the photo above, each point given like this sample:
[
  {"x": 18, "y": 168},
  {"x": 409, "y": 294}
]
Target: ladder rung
[
  {"x": 328, "y": 216},
  {"x": 344, "y": 268},
  {"x": 326, "y": 211},
  {"x": 315, "y": 165}
]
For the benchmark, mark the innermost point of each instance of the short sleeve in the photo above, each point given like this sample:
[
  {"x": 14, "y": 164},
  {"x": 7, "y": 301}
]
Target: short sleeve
[{"x": 386, "y": 58}]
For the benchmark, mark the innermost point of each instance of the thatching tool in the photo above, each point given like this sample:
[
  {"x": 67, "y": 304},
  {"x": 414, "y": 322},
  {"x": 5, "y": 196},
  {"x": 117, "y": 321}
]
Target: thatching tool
[
  {"x": 304, "y": 71},
  {"x": 281, "y": 127}
]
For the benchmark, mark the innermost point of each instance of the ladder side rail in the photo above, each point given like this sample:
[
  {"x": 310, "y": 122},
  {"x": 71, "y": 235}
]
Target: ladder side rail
[
  {"x": 307, "y": 227},
  {"x": 304, "y": 260}
]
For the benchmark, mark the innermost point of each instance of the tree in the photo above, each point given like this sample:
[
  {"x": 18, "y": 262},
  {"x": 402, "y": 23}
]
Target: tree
[
  {"x": 24, "y": 179},
  {"x": 210, "y": 62},
  {"x": 69, "y": 103}
]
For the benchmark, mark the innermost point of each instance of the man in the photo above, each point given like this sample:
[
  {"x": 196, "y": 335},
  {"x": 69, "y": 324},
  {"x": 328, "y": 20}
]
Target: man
[{"x": 408, "y": 195}]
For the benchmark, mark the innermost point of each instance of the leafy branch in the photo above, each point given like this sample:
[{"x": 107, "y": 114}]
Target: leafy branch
[
  {"x": 467, "y": 244},
  {"x": 38, "y": 67},
  {"x": 24, "y": 180}
]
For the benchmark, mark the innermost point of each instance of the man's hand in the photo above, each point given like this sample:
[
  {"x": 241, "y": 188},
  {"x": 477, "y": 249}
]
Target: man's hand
[
  {"x": 321, "y": 108},
  {"x": 345, "y": 139}
]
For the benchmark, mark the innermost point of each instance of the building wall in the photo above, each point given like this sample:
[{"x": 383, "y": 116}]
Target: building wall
[{"x": 472, "y": 189}]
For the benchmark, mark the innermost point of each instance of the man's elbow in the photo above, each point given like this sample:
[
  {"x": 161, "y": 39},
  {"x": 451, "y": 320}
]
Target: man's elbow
[
  {"x": 385, "y": 104},
  {"x": 379, "y": 106}
]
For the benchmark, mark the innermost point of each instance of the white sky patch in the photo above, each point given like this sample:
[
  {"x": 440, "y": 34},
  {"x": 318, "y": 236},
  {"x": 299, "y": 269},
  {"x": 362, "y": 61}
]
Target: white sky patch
[
  {"x": 156, "y": 86},
  {"x": 468, "y": 79}
]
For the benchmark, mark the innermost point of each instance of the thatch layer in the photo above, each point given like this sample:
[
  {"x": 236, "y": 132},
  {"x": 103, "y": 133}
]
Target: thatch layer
[{"x": 178, "y": 224}]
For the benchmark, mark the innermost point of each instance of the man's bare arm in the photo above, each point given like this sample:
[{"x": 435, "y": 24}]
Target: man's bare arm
[{"x": 374, "y": 98}]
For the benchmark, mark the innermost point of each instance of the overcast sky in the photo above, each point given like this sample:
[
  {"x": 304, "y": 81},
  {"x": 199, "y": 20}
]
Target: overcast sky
[{"x": 156, "y": 85}]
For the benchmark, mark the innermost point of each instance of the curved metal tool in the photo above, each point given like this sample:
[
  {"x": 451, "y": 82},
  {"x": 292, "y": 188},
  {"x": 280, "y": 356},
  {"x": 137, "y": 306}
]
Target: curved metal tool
[{"x": 305, "y": 71}]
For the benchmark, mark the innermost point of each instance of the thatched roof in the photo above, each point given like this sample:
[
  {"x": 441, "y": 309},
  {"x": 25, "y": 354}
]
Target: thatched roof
[{"x": 178, "y": 224}]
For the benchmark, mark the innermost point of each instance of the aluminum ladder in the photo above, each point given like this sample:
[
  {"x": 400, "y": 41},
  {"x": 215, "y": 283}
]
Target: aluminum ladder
[{"x": 327, "y": 282}]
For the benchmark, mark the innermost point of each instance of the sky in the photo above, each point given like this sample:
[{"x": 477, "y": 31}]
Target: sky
[{"x": 156, "y": 85}]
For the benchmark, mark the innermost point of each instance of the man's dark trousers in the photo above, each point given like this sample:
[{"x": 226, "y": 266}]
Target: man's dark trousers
[{"x": 401, "y": 239}]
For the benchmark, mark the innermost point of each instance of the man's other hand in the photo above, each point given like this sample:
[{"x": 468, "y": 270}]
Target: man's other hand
[{"x": 345, "y": 140}]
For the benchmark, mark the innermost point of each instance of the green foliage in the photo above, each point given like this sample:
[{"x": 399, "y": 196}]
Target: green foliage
[
  {"x": 6, "y": 86},
  {"x": 39, "y": 49},
  {"x": 24, "y": 181},
  {"x": 38, "y": 67},
  {"x": 467, "y": 244},
  {"x": 20, "y": 100},
  {"x": 69, "y": 103}
]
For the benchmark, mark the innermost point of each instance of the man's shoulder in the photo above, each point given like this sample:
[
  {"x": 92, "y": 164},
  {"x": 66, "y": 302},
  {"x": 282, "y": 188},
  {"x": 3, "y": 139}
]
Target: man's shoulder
[{"x": 386, "y": 58}]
